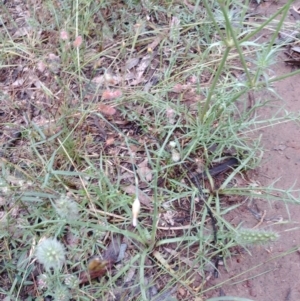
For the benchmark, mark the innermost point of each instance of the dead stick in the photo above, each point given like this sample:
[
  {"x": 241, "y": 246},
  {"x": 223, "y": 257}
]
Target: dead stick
[{"x": 261, "y": 220}]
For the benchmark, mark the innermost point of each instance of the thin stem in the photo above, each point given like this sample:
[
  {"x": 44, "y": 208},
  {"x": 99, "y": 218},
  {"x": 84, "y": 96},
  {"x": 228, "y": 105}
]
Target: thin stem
[
  {"x": 236, "y": 43},
  {"x": 213, "y": 19},
  {"x": 214, "y": 83},
  {"x": 263, "y": 25},
  {"x": 279, "y": 26},
  {"x": 278, "y": 78}
]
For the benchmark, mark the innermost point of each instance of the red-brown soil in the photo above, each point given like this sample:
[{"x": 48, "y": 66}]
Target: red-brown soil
[{"x": 270, "y": 274}]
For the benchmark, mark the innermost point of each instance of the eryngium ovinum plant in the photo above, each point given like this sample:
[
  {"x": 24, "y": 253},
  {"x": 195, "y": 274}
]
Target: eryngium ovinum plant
[{"x": 51, "y": 253}]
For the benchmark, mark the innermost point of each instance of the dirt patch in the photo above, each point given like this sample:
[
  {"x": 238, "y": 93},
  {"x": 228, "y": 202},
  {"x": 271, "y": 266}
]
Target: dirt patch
[{"x": 270, "y": 272}]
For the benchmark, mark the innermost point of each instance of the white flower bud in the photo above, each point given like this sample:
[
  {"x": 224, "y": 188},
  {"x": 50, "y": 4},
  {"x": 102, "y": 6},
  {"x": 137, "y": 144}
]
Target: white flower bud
[
  {"x": 175, "y": 155},
  {"x": 136, "y": 206},
  {"x": 172, "y": 144}
]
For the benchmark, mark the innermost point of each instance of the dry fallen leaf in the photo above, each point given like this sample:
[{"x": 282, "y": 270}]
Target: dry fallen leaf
[
  {"x": 107, "y": 94},
  {"x": 168, "y": 216},
  {"x": 170, "y": 113},
  {"x": 53, "y": 57},
  {"x": 78, "y": 41},
  {"x": 98, "y": 267},
  {"x": 144, "y": 171},
  {"x": 296, "y": 9},
  {"x": 143, "y": 198},
  {"x": 21, "y": 32},
  {"x": 129, "y": 64},
  {"x": 54, "y": 63},
  {"x": 111, "y": 79},
  {"x": 107, "y": 110},
  {"x": 41, "y": 66},
  {"x": 193, "y": 79},
  {"x": 296, "y": 49},
  {"x": 141, "y": 68},
  {"x": 64, "y": 35},
  {"x": 19, "y": 82},
  {"x": 156, "y": 41},
  {"x": 178, "y": 88},
  {"x": 110, "y": 141},
  {"x": 98, "y": 80}
]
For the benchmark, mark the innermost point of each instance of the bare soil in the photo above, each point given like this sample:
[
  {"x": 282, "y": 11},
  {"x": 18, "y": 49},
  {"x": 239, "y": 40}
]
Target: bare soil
[{"x": 272, "y": 272}]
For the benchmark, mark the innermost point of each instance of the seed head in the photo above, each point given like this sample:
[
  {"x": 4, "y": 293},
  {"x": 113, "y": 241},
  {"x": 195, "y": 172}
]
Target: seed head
[
  {"x": 51, "y": 253},
  {"x": 250, "y": 236},
  {"x": 62, "y": 293},
  {"x": 43, "y": 281},
  {"x": 71, "y": 281},
  {"x": 66, "y": 207}
]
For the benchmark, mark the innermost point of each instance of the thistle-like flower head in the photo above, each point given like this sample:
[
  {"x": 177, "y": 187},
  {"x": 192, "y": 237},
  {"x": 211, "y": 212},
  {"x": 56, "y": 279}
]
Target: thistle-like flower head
[
  {"x": 62, "y": 293},
  {"x": 66, "y": 207},
  {"x": 51, "y": 253},
  {"x": 71, "y": 281},
  {"x": 43, "y": 281}
]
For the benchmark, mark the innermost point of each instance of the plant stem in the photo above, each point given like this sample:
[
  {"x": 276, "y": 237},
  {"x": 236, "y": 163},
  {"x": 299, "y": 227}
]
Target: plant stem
[{"x": 213, "y": 85}]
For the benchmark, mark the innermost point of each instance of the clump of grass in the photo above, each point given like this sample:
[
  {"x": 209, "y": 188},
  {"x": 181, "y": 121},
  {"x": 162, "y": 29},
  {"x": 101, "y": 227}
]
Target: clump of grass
[{"x": 117, "y": 111}]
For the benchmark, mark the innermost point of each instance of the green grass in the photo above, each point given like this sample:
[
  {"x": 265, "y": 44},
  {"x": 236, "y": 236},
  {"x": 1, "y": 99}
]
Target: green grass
[{"x": 183, "y": 76}]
